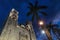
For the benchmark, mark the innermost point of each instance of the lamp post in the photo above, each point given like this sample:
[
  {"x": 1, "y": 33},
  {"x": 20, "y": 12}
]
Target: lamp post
[
  {"x": 41, "y": 24},
  {"x": 45, "y": 30}
]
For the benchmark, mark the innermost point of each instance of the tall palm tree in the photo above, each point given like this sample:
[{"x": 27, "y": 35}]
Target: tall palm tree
[
  {"x": 34, "y": 10},
  {"x": 52, "y": 27}
]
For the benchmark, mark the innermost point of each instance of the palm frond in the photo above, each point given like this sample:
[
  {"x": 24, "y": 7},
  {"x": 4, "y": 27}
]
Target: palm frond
[
  {"x": 34, "y": 9},
  {"x": 55, "y": 25},
  {"x": 29, "y": 13},
  {"x": 36, "y": 3},
  {"x": 42, "y": 7},
  {"x": 50, "y": 22},
  {"x": 30, "y": 4},
  {"x": 44, "y": 13}
]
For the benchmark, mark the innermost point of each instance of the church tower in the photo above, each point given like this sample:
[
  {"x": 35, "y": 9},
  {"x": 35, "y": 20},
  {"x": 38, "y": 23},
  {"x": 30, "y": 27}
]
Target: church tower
[
  {"x": 13, "y": 31},
  {"x": 9, "y": 32}
]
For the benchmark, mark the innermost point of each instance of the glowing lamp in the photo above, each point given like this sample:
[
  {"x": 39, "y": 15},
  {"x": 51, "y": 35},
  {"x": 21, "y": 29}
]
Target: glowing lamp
[
  {"x": 41, "y": 22},
  {"x": 43, "y": 32}
]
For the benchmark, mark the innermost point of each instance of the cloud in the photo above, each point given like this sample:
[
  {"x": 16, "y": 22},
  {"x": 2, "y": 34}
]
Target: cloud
[{"x": 56, "y": 20}]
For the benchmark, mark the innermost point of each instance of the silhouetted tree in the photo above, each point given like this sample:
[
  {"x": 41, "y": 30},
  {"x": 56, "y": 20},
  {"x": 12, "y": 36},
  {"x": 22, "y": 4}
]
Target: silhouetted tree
[
  {"x": 34, "y": 10},
  {"x": 52, "y": 27}
]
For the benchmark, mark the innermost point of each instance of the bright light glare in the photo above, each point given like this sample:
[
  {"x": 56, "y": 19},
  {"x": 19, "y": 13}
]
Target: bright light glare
[
  {"x": 41, "y": 23},
  {"x": 43, "y": 32}
]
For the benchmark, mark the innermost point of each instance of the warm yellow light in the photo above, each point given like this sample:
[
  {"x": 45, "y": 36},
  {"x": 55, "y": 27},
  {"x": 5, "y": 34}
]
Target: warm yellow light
[{"x": 41, "y": 22}]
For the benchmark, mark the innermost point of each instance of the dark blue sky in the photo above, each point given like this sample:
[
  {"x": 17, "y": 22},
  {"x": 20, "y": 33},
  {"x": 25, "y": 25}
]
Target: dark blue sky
[{"x": 53, "y": 11}]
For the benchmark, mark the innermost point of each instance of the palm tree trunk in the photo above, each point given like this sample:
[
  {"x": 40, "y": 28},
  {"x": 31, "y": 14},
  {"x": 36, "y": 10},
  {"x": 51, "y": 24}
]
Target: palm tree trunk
[{"x": 48, "y": 34}]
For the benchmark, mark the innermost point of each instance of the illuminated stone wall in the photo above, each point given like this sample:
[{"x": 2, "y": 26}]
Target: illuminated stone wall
[{"x": 13, "y": 31}]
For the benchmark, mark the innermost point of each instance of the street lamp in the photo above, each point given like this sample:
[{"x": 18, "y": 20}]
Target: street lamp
[
  {"x": 45, "y": 30},
  {"x": 41, "y": 23}
]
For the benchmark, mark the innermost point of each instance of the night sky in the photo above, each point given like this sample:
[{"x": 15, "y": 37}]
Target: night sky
[{"x": 53, "y": 12}]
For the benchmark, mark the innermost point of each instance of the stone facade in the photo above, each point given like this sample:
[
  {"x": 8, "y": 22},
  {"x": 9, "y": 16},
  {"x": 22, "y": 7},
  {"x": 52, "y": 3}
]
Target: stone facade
[{"x": 13, "y": 31}]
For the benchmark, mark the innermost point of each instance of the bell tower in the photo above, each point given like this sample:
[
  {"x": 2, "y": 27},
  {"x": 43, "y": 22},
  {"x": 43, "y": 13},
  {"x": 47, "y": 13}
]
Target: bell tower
[
  {"x": 13, "y": 14},
  {"x": 10, "y": 31},
  {"x": 13, "y": 17}
]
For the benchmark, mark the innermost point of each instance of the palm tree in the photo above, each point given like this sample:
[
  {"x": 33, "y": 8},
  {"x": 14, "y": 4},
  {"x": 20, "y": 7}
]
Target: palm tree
[
  {"x": 57, "y": 31},
  {"x": 52, "y": 27},
  {"x": 34, "y": 10}
]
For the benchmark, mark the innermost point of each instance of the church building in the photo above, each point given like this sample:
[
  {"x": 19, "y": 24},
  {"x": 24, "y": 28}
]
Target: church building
[{"x": 13, "y": 31}]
